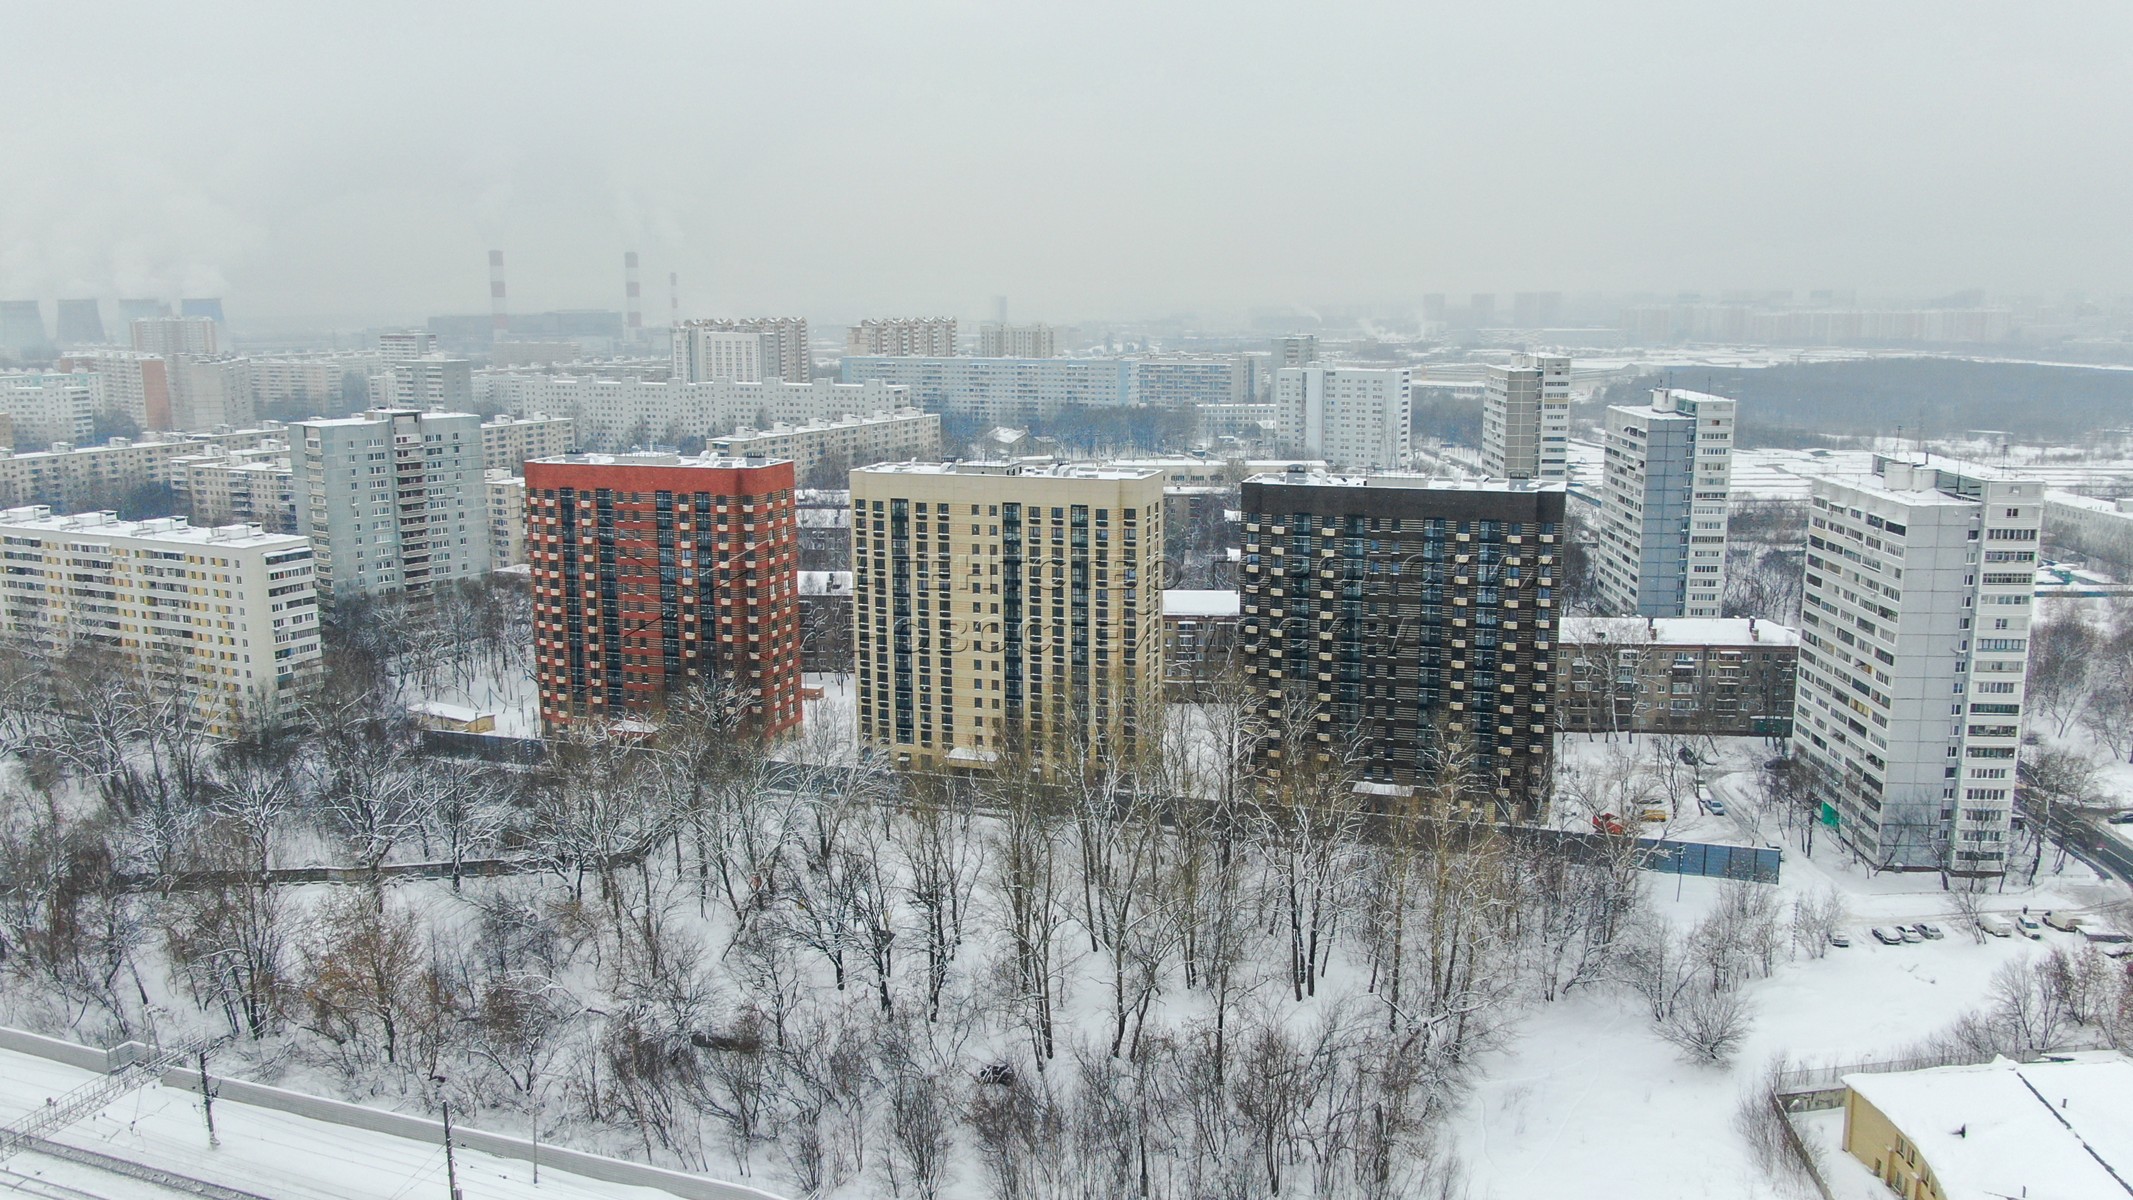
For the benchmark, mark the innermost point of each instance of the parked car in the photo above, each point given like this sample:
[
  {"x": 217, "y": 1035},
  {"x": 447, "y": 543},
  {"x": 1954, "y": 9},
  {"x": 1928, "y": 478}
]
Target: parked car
[
  {"x": 1996, "y": 926},
  {"x": 1909, "y": 934},
  {"x": 1840, "y": 939},
  {"x": 2121, "y": 818},
  {"x": 1886, "y": 936},
  {"x": 1929, "y": 931},
  {"x": 1608, "y": 822},
  {"x": 2029, "y": 927},
  {"x": 1653, "y": 816},
  {"x": 2063, "y": 922},
  {"x": 1715, "y": 806}
]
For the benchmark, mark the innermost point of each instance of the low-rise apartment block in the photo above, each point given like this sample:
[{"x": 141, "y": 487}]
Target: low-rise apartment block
[
  {"x": 51, "y": 406},
  {"x": 507, "y": 518},
  {"x": 932, "y": 336},
  {"x": 70, "y": 478},
  {"x": 245, "y": 486},
  {"x": 2101, "y": 529},
  {"x": 1683, "y": 675}
]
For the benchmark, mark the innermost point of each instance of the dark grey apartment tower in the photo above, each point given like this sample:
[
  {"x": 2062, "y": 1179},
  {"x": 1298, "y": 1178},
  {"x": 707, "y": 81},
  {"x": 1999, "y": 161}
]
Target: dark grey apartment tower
[{"x": 1414, "y": 617}]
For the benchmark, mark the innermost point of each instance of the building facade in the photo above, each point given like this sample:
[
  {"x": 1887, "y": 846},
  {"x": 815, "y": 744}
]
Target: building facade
[
  {"x": 169, "y": 337},
  {"x": 611, "y": 414},
  {"x": 135, "y": 384},
  {"x": 1410, "y": 624},
  {"x": 838, "y": 446},
  {"x": 1188, "y": 382},
  {"x": 1914, "y": 636},
  {"x": 507, "y": 518},
  {"x": 1525, "y": 418},
  {"x": 212, "y": 393},
  {"x": 705, "y": 351},
  {"x": 930, "y": 336},
  {"x": 1689, "y": 676},
  {"x": 652, "y": 572},
  {"x": 999, "y": 391},
  {"x": 46, "y": 407},
  {"x": 2093, "y": 528},
  {"x": 393, "y": 499},
  {"x": 998, "y": 339},
  {"x": 72, "y": 478},
  {"x": 1661, "y": 550},
  {"x": 1357, "y": 418},
  {"x": 508, "y": 441},
  {"x": 225, "y": 615},
  {"x": 247, "y": 486},
  {"x": 1002, "y": 609},
  {"x": 427, "y": 384}
]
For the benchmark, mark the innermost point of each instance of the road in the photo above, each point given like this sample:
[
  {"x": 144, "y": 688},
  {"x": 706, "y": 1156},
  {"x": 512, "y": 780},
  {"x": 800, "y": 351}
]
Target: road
[{"x": 2085, "y": 836}]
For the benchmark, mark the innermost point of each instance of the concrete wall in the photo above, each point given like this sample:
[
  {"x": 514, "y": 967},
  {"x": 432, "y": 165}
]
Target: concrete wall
[{"x": 378, "y": 1120}]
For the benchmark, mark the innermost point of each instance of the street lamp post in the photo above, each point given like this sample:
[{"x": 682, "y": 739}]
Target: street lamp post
[{"x": 451, "y": 1166}]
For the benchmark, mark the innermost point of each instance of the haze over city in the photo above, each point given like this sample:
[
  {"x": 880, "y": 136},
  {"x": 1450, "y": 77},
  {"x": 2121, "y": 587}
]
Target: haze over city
[
  {"x": 953, "y": 601},
  {"x": 349, "y": 166}
]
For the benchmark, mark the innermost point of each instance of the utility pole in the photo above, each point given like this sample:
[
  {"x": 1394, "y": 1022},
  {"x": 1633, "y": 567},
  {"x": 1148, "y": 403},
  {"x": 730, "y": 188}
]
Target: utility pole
[
  {"x": 451, "y": 1166},
  {"x": 207, "y": 1102}
]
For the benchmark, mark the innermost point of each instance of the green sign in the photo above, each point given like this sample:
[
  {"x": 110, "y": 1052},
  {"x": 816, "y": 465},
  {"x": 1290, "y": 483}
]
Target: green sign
[{"x": 1829, "y": 815}]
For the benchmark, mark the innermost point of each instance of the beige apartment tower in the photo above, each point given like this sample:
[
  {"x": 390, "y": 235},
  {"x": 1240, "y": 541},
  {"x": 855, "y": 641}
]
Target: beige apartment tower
[{"x": 1002, "y": 609}]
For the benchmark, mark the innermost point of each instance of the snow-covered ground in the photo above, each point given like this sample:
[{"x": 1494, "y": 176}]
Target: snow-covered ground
[
  {"x": 262, "y": 1151},
  {"x": 1587, "y": 1092}
]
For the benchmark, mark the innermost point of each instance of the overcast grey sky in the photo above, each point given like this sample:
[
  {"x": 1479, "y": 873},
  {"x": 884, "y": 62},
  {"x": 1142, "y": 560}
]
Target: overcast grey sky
[{"x": 352, "y": 164}]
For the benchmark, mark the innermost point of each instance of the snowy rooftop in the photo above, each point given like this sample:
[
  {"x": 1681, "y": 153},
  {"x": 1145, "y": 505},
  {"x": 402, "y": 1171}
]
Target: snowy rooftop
[
  {"x": 1195, "y": 602},
  {"x": 707, "y": 461},
  {"x": 1022, "y": 470},
  {"x": 106, "y": 525},
  {"x": 1678, "y": 631},
  {"x": 2121, "y": 507},
  {"x": 2047, "y": 1130},
  {"x": 1330, "y": 479}
]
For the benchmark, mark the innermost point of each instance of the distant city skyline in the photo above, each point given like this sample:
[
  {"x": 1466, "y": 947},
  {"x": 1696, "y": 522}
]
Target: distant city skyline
[{"x": 1127, "y": 161}]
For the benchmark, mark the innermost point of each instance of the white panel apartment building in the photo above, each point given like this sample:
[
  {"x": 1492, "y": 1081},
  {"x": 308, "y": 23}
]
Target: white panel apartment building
[
  {"x": 309, "y": 383},
  {"x": 932, "y": 336},
  {"x": 95, "y": 476},
  {"x": 1661, "y": 550},
  {"x": 1356, "y": 418},
  {"x": 253, "y": 486},
  {"x": 135, "y": 384},
  {"x": 227, "y": 615},
  {"x": 507, "y": 517},
  {"x": 393, "y": 499},
  {"x": 853, "y": 441},
  {"x": 999, "y": 391},
  {"x": 616, "y": 414},
  {"x": 508, "y": 441},
  {"x": 707, "y": 349},
  {"x": 1914, "y": 641},
  {"x": 168, "y": 337},
  {"x": 211, "y": 393},
  {"x": 51, "y": 406},
  {"x": 1525, "y": 418},
  {"x": 2102, "y": 528}
]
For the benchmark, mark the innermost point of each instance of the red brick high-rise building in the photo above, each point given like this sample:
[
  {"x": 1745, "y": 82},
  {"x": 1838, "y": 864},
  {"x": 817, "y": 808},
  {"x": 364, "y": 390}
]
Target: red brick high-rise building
[{"x": 651, "y": 571}]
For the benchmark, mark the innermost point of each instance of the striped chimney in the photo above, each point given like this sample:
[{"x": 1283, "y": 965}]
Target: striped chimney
[
  {"x": 634, "y": 293},
  {"x": 499, "y": 320}
]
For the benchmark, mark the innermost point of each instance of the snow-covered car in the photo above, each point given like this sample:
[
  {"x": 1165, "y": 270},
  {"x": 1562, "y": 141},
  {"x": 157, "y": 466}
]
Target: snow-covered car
[
  {"x": 1929, "y": 931},
  {"x": 1840, "y": 939},
  {"x": 2121, "y": 818},
  {"x": 1715, "y": 806},
  {"x": 1886, "y": 936},
  {"x": 1909, "y": 934},
  {"x": 2029, "y": 927},
  {"x": 1996, "y": 926},
  {"x": 2063, "y": 922}
]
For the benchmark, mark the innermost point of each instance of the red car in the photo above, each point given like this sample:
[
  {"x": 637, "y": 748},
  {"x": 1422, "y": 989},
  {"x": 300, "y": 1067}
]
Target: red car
[{"x": 1608, "y": 822}]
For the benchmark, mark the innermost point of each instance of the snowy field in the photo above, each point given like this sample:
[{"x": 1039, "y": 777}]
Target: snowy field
[{"x": 1588, "y": 1092}]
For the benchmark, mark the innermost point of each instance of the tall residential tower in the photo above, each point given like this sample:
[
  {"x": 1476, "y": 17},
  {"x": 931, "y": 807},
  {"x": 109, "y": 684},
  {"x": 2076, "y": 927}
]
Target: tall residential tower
[{"x": 1661, "y": 550}]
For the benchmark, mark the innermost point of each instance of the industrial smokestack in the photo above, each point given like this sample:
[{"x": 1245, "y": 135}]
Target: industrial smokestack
[
  {"x": 633, "y": 293},
  {"x": 499, "y": 320}
]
